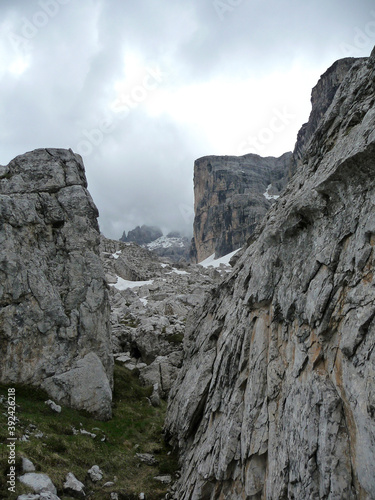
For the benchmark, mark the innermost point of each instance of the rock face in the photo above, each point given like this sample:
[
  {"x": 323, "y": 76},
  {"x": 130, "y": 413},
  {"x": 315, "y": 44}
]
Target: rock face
[
  {"x": 54, "y": 308},
  {"x": 276, "y": 396},
  {"x": 173, "y": 246},
  {"x": 142, "y": 235},
  {"x": 231, "y": 195}
]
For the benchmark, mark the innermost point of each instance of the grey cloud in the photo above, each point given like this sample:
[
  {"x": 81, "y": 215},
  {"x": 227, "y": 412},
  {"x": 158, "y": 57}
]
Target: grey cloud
[{"x": 142, "y": 170}]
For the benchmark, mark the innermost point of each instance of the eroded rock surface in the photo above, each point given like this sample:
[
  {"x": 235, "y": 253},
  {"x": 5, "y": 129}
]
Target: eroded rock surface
[
  {"x": 54, "y": 308},
  {"x": 276, "y": 396}
]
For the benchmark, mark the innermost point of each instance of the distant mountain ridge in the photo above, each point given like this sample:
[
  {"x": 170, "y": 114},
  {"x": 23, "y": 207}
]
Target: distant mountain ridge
[{"x": 173, "y": 246}]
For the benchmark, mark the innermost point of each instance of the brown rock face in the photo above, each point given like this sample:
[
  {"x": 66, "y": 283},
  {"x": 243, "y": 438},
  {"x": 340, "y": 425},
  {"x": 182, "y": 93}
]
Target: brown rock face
[
  {"x": 276, "y": 396},
  {"x": 230, "y": 200}
]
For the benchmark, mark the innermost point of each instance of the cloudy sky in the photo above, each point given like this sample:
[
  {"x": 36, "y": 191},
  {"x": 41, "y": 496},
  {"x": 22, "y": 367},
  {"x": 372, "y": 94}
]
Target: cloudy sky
[{"x": 142, "y": 88}]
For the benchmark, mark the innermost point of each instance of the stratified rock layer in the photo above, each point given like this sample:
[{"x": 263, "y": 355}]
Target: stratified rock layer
[
  {"x": 54, "y": 309},
  {"x": 231, "y": 195},
  {"x": 276, "y": 396}
]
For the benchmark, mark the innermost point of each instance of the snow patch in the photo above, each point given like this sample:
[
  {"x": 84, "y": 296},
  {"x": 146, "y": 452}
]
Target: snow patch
[
  {"x": 117, "y": 254},
  {"x": 212, "y": 262},
  {"x": 165, "y": 242},
  {"x": 144, "y": 301},
  {"x": 122, "y": 284},
  {"x": 270, "y": 196},
  {"x": 177, "y": 271}
]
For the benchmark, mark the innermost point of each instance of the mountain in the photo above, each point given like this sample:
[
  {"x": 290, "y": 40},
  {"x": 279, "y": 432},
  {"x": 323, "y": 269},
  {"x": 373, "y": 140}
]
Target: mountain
[
  {"x": 142, "y": 235},
  {"x": 173, "y": 246},
  {"x": 275, "y": 398}
]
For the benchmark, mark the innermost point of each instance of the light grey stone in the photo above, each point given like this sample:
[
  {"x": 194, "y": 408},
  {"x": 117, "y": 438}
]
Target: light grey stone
[
  {"x": 54, "y": 407},
  {"x": 38, "y": 482},
  {"x": 27, "y": 465},
  {"x": 74, "y": 487},
  {"x": 85, "y": 385},
  {"x": 95, "y": 473}
]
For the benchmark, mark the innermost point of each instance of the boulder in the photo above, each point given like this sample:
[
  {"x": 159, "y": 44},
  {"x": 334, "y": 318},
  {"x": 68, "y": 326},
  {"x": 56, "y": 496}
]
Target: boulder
[{"x": 54, "y": 307}]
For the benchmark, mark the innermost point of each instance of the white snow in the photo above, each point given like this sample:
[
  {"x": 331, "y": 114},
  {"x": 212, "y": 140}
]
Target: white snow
[
  {"x": 177, "y": 271},
  {"x": 270, "y": 196},
  {"x": 122, "y": 284},
  {"x": 165, "y": 242},
  {"x": 212, "y": 262},
  {"x": 117, "y": 254},
  {"x": 144, "y": 301},
  {"x": 164, "y": 265}
]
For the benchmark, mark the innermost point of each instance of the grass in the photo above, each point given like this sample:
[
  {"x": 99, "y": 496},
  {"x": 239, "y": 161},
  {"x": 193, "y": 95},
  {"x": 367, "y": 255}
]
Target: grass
[
  {"x": 176, "y": 338},
  {"x": 136, "y": 427}
]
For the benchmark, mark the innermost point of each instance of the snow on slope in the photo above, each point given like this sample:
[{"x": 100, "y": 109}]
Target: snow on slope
[
  {"x": 212, "y": 262},
  {"x": 122, "y": 284}
]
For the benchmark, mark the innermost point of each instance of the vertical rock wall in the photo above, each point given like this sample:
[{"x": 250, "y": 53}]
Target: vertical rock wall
[
  {"x": 276, "y": 397},
  {"x": 230, "y": 201},
  {"x": 54, "y": 309}
]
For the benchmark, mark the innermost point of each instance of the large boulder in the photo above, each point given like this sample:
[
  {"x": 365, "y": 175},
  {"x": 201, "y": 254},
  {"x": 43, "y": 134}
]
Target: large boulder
[{"x": 54, "y": 308}]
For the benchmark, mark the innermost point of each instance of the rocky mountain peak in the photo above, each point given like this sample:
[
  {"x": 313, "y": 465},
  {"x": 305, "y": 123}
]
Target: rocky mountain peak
[{"x": 141, "y": 235}]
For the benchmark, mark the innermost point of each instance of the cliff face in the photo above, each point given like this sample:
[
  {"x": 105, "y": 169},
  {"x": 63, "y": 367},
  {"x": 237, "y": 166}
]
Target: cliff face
[
  {"x": 54, "y": 309},
  {"x": 276, "y": 397},
  {"x": 232, "y": 195}
]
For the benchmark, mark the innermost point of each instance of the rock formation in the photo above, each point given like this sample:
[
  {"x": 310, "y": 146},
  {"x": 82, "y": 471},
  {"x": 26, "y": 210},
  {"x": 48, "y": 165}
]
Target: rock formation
[
  {"x": 142, "y": 235},
  {"x": 173, "y": 246},
  {"x": 276, "y": 396},
  {"x": 54, "y": 308},
  {"x": 231, "y": 195}
]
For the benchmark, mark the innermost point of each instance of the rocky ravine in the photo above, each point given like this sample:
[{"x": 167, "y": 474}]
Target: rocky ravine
[
  {"x": 276, "y": 397},
  {"x": 54, "y": 308},
  {"x": 151, "y": 303}
]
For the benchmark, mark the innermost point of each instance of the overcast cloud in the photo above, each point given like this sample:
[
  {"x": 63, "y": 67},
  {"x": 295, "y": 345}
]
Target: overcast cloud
[{"x": 143, "y": 88}]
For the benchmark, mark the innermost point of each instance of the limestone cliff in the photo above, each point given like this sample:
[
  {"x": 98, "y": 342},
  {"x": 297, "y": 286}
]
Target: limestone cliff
[
  {"x": 276, "y": 397},
  {"x": 231, "y": 195},
  {"x": 54, "y": 309}
]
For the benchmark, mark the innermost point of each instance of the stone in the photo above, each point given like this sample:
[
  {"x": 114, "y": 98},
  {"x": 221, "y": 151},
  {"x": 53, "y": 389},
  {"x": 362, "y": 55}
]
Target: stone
[
  {"x": 84, "y": 385},
  {"x": 28, "y": 497},
  {"x": 95, "y": 473},
  {"x": 54, "y": 407},
  {"x": 275, "y": 397},
  {"x": 163, "y": 479},
  {"x": 27, "y": 465},
  {"x": 54, "y": 307},
  {"x": 38, "y": 482},
  {"x": 74, "y": 487},
  {"x": 146, "y": 458},
  {"x": 47, "y": 495}
]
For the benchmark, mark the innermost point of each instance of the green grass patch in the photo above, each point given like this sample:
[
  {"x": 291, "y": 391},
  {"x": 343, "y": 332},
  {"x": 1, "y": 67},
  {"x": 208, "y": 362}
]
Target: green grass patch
[
  {"x": 136, "y": 427},
  {"x": 176, "y": 338}
]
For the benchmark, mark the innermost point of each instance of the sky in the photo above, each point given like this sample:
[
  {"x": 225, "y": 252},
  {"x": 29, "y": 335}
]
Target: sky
[{"x": 141, "y": 89}]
